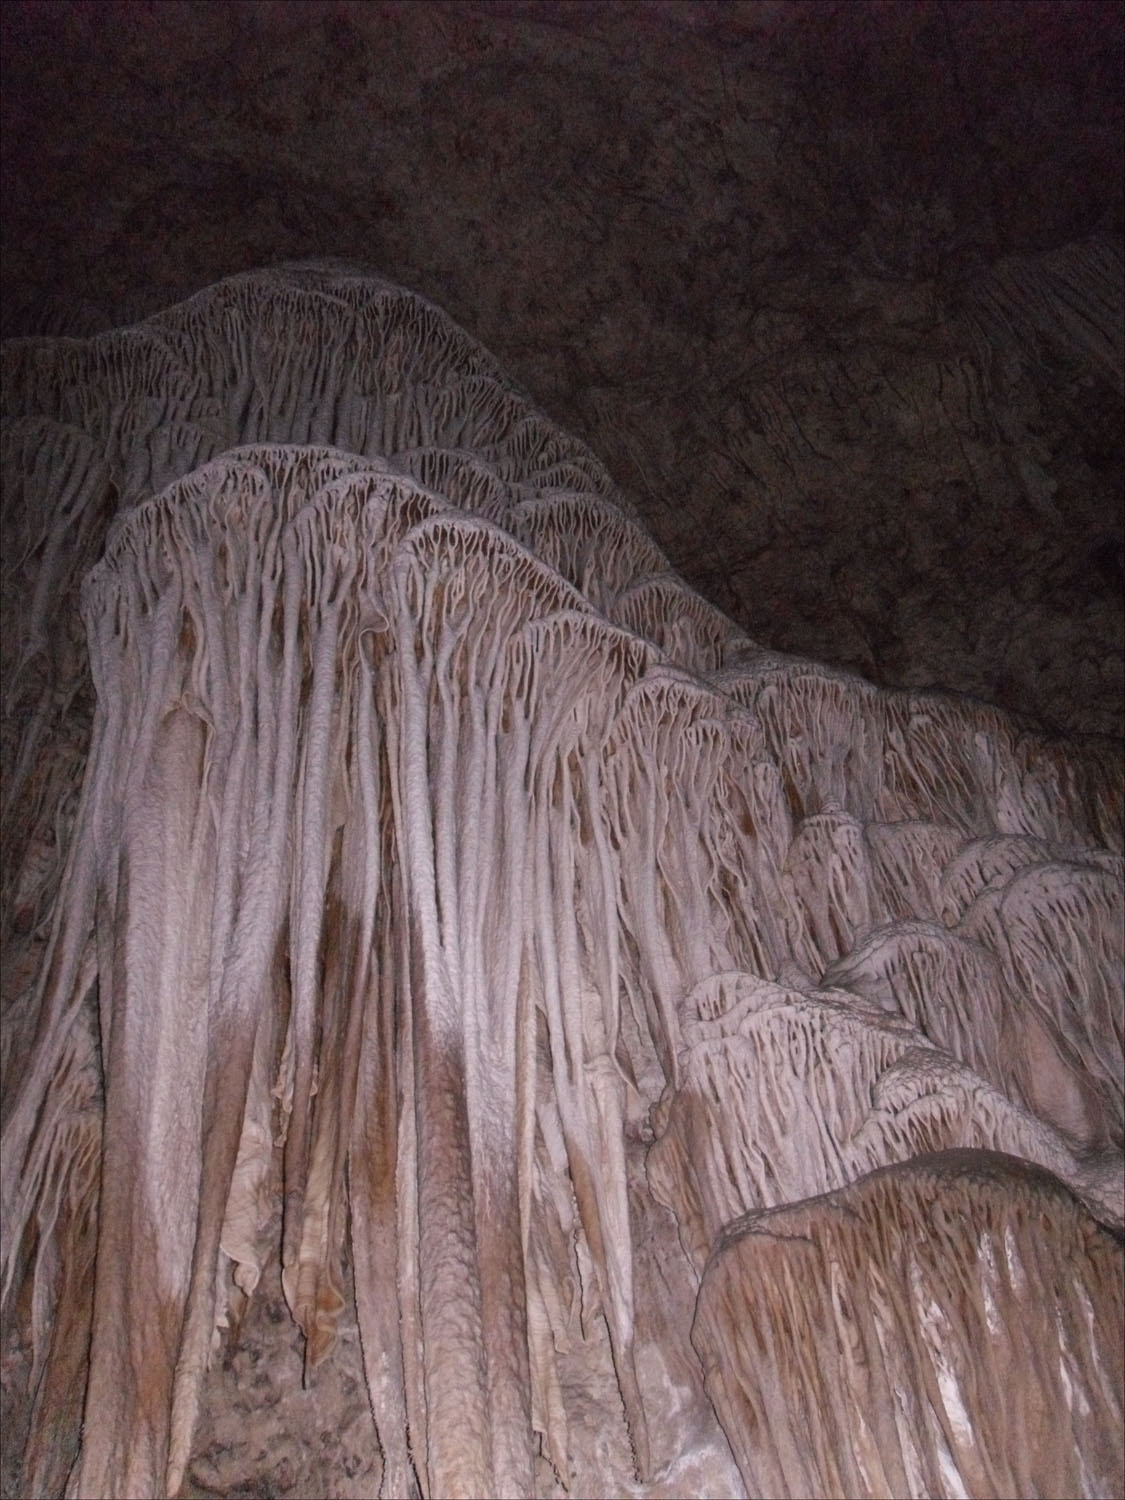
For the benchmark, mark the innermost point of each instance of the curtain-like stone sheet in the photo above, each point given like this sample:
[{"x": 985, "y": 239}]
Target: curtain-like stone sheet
[
  {"x": 410, "y": 879},
  {"x": 884, "y": 1361}
]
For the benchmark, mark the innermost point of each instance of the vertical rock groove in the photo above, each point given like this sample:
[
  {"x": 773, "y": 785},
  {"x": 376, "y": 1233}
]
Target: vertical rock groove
[{"x": 460, "y": 913}]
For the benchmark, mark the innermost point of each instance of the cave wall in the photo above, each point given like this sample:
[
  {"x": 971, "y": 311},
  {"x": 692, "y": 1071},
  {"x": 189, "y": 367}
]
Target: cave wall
[
  {"x": 409, "y": 739},
  {"x": 834, "y": 290}
]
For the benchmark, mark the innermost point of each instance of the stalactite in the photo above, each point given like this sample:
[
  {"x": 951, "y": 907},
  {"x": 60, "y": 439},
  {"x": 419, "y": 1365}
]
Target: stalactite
[
  {"x": 948, "y": 986},
  {"x": 909, "y": 860},
  {"x": 1070, "y": 984},
  {"x": 590, "y": 543},
  {"x": 445, "y": 874},
  {"x": 858, "y": 1343},
  {"x": 691, "y": 631},
  {"x": 824, "y": 729},
  {"x": 851, "y": 1089}
]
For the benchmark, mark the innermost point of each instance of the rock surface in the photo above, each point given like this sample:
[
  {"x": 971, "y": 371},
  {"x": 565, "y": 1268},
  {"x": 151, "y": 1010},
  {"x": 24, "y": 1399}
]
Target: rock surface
[
  {"x": 459, "y": 911},
  {"x": 836, "y": 294},
  {"x": 834, "y": 290}
]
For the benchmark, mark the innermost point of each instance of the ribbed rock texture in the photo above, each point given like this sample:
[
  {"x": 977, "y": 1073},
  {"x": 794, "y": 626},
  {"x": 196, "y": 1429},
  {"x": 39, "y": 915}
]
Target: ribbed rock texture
[
  {"x": 643, "y": 1062},
  {"x": 834, "y": 290}
]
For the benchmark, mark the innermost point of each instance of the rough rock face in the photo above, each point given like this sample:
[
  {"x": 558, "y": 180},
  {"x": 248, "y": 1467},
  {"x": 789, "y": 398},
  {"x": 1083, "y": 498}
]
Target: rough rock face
[
  {"x": 833, "y": 290},
  {"x": 427, "y": 915}
]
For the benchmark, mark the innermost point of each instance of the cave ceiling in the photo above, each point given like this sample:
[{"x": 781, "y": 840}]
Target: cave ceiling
[{"x": 833, "y": 289}]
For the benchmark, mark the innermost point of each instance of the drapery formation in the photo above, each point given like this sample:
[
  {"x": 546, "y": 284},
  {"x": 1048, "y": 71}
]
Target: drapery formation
[{"x": 398, "y": 837}]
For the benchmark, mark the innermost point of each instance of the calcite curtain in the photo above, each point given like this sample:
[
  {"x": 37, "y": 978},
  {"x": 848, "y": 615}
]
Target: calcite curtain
[{"x": 699, "y": 1069}]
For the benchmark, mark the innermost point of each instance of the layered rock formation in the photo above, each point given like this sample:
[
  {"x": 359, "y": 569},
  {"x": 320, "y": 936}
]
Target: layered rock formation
[
  {"x": 833, "y": 290},
  {"x": 643, "y": 1061}
]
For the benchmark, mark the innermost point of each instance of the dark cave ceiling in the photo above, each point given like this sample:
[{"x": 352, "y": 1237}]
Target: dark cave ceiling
[{"x": 833, "y": 289}]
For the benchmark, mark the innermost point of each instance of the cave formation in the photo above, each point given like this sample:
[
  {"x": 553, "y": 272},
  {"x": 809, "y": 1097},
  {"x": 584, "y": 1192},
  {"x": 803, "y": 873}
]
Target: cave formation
[{"x": 478, "y": 1017}]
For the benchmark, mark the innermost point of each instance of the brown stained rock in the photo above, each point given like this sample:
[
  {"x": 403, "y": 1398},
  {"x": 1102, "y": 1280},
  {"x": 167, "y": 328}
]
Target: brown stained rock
[
  {"x": 951, "y": 1326},
  {"x": 441, "y": 858}
]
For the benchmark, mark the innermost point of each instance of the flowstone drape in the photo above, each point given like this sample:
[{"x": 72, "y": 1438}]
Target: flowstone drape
[{"x": 399, "y": 854}]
